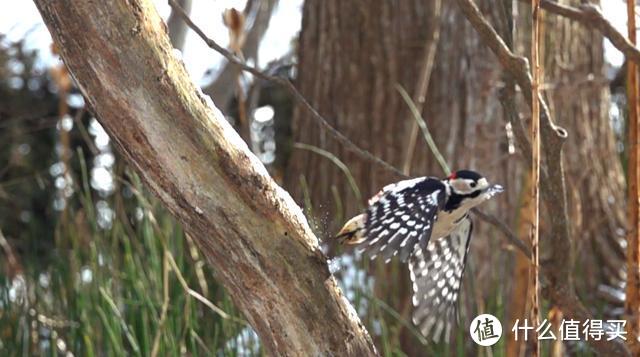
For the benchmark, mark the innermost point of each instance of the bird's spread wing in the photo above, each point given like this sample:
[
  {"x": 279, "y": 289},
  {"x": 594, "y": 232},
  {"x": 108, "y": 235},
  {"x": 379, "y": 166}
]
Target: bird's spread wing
[
  {"x": 436, "y": 274},
  {"x": 401, "y": 217}
]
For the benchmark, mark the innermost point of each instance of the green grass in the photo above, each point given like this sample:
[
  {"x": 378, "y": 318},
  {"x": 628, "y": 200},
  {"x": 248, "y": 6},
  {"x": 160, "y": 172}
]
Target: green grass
[{"x": 136, "y": 288}]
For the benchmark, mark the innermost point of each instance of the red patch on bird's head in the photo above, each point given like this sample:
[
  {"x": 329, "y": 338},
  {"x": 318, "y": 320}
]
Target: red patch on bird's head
[{"x": 452, "y": 176}]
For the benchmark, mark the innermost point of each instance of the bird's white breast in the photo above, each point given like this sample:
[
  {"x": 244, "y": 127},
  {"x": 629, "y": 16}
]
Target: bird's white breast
[{"x": 447, "y": 222}]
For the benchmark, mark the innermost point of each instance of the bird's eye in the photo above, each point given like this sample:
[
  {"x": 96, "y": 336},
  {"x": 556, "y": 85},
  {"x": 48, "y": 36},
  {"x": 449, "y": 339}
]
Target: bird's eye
[{"x": 472, "y": 184}]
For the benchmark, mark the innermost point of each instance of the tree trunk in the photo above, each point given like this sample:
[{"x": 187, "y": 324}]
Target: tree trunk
[
  {"x": 250, "y": 230},
  {"x": 351, "y": 55},
  {"x": 579, "y": 98}
]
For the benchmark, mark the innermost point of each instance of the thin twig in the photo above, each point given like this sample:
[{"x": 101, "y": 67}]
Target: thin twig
[
  {"x": 341, "y": 165},
  {"x": 290, "y": 88},
  {"x": 506, "y": 231},
  {"x": 425, "y": 131}
]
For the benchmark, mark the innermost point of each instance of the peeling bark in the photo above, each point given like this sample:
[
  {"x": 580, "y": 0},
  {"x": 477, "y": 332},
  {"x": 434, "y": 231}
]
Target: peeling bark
[{"x": 250, "y": 230}]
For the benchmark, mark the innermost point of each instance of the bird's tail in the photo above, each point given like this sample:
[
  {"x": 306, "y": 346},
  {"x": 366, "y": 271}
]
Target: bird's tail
[{"x": 353, "y": 231}]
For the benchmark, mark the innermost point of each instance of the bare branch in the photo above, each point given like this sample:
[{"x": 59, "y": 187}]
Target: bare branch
[{"x": 590, "y": 15}]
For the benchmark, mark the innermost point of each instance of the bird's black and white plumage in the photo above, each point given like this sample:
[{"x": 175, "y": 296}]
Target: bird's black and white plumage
[
  {"x": 424, "y": 221},
  {"x": 436, "y": 276}
]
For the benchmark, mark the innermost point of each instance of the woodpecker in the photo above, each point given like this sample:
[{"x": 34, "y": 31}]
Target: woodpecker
[{"x": 425, "y": 222}]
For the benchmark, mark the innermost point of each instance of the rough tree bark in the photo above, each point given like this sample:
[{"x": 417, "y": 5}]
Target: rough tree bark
[{"x": 250, "y": 230}]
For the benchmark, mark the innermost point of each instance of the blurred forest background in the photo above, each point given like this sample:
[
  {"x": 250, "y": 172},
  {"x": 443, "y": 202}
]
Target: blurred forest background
[{"x": 91, "y": 263}]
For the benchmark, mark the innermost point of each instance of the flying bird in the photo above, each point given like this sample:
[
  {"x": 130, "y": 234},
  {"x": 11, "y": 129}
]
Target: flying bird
[{"x": 425, "y": 222}]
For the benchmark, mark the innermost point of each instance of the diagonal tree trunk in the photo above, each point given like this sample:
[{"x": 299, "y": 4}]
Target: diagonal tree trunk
[{"x": 249, "y": 229}]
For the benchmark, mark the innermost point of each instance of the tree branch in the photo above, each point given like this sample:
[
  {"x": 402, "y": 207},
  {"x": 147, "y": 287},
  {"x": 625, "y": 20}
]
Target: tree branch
[
  {"x": 506, "y": 231},
  {"x": 558, "y": 268},
  {"x": 590, "y": 15},
  {"x": 249, "y": 229}
]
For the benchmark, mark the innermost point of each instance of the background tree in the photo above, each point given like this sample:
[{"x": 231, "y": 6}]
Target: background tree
[{"x": 342, "y": 74}]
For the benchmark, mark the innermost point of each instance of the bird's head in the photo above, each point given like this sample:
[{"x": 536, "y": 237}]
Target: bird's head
[{"x": 470, "y": 188}]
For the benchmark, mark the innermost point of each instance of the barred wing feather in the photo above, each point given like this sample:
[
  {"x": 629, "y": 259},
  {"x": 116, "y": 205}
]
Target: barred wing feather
[{"x": 436, "y": 274}]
